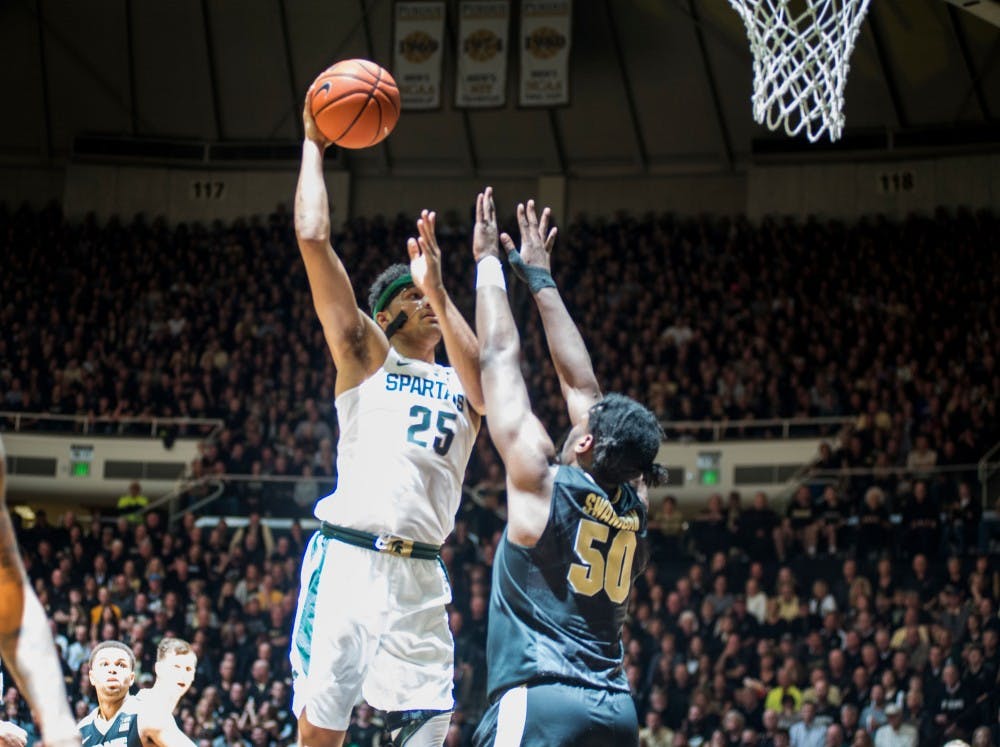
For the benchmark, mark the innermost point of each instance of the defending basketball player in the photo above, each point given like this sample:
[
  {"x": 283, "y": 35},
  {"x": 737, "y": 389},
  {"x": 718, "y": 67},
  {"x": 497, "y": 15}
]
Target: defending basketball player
[
  {"x": 145, "y": 719},
  {"x": 575, "y": 534},
  {"x": 371, "y": 617},
  {"x": 25, "y": 640}
]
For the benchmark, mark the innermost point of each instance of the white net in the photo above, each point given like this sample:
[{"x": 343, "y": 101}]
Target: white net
[{"x": 801, "y": 51}]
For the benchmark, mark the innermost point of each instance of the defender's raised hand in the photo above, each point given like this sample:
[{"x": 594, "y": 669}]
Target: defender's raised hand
[
  {"x": 537, "y": 239},
  {"x": 533, "y": 262},
  {"x": 484, "y": 235},
  {"x": 425, "y": 258}
]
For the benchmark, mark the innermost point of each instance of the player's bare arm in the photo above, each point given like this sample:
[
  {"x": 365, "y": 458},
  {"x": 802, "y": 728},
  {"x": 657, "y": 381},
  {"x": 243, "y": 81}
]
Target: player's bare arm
[
  {"x": 158, "y": 728},
  {"x": 569, "y": 353},
  {"x": 459, "y": 339},
  {"x": 525, "y": 447},
  {"x": 161, "y": 730},
  {"x": 357, "y": 344},
  {"x": 25, "y": 641}
]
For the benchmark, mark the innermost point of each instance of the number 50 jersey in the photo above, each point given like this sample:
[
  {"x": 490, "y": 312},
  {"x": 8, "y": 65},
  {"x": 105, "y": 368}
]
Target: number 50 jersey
[
  {"x": 406, "y": 434},
  {"x": 556, "y": 609}
]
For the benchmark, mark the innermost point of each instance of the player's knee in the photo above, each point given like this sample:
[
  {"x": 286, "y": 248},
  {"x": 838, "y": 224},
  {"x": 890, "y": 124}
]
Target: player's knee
[
  {"x": 311, "y": 735},
  {"x": 418, "y": 728}
]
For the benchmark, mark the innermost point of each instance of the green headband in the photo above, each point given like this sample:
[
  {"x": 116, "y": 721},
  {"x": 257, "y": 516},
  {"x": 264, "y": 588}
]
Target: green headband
[{"x": 390, "y": 292}]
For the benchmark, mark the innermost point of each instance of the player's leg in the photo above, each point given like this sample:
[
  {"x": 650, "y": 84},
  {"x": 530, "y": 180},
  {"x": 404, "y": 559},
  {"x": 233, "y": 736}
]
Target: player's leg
[
  {"x": 334, "y": 637},
  {"x": 316, "y": 736},
  {"x": 412, "y": 674},
  {"x": 418, "y": 728},
  {"x": 782, "y": 534}
]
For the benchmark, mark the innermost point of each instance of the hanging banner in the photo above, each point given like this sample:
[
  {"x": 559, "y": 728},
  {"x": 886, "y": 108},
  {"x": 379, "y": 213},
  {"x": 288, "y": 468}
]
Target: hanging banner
[
  {"x": 482, "y": 53},
  {"x": 545, "y": 41},
  {"x": 419, "y": 38}
]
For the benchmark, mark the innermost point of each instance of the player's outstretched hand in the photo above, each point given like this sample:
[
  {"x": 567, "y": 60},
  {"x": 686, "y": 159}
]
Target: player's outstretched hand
[
  {"x": 309, "y": 123},
  {"x": 12, "y": 735},
  {"x": 425, "y": 258},
  {"x": 537, "y": 239},
  {"x": 484, "y": 235}
]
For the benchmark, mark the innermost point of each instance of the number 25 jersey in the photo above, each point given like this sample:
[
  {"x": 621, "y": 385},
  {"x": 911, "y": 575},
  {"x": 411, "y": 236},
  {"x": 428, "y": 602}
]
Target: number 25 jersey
[
  {"x": 406, "y": 434},
  {"x": 556, "y": 609}
]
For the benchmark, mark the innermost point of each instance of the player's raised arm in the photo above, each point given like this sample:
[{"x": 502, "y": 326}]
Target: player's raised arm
[
  {"x": 524, "y": 446},
  {"x": 459, "y": 339},
  {"x": 569, "y": 353},
  {"x": 25, "y": 641},
  {"x": 356, "y": 342}
]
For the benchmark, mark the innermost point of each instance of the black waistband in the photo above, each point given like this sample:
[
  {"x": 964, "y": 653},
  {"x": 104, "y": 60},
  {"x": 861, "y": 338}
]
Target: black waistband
[{"x": 388, "y": 543}]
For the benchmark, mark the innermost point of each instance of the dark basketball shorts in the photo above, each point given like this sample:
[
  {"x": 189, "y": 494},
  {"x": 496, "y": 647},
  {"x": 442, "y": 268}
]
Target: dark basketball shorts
[{"x": 554, "y": 714}]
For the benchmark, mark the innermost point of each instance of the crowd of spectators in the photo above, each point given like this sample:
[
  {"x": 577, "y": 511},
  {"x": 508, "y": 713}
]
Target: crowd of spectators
[
  {"x": 849, "y": 610},
  {"x": 822, "y": 649},
  {"x": 718, "y": 319}
]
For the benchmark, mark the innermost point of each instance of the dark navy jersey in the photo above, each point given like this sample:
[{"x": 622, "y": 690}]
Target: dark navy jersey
[
  {"x": 123, "y": 731},
  {"x": 556, "y": 609}
]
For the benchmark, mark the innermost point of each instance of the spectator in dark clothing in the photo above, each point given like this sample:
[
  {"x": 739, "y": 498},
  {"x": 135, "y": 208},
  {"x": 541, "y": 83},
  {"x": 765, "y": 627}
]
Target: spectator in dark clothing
[
  {"x": 955, "y": 707},
  {"x": 757, "y": 528},
  {"x": 800, "y": 527},
  {"x": 922, "y": 522},
  {"x": 873, "y": 523},
  {"x": 711, "y": 528}
]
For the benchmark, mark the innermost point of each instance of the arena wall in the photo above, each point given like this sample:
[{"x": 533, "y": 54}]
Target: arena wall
[{"x": 841, "y": 189}]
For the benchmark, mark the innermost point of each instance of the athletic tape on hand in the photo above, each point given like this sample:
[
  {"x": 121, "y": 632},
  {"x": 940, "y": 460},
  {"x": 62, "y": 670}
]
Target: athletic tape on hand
[{"x": 535, "y": 277}]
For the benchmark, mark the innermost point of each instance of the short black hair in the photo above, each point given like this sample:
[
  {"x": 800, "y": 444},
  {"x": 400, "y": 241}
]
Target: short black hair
[
  {"x": 113, "y": 644},
  {"x": 627, "y": 437},
  {"x": 383, "y": 281}
]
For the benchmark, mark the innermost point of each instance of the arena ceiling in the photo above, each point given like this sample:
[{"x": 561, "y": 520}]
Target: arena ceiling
[{"x": 658, "y": 86}]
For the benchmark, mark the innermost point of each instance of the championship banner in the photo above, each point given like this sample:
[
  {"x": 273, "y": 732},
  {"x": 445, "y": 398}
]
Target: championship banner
[
  {"x": 545, "y": 40},
  {"x": 417, "y": 53},
  {"x": 482, "y": 53}
]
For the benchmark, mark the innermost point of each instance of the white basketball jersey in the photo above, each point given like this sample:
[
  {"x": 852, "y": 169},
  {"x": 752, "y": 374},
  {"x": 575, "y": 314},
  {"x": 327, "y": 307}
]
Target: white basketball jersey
[{"x": 406, "y": 434}]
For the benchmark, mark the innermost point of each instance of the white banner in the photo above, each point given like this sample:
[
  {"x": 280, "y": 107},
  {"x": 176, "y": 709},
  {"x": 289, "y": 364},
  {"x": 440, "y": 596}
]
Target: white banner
[
  {"x": 545, "y": 40},
  {"x": 482, "y": 53},
  {"x": 418, "y": 43}
]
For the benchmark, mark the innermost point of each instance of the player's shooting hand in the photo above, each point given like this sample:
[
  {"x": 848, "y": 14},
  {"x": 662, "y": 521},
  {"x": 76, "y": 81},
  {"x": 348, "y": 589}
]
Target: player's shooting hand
[
  {"x": 484, "y": 235},
  {"x": 309, "y": 123},
  {"x": 12, "y": 735},
  {"x": 425, "y": 259},
  {"x": 537, "y": 239}
]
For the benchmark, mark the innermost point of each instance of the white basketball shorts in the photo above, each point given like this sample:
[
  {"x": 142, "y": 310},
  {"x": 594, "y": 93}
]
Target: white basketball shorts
[{"x": 369, "y": 624}]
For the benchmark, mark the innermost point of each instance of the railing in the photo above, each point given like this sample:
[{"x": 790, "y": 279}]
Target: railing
[
  {"x": 750, "y": 428},
  {"x": 276, "y": 495},
  {"x": 989, "y": 475},
  {"x": 932, "y": 475},
  {"x": 110, "y": 425}
]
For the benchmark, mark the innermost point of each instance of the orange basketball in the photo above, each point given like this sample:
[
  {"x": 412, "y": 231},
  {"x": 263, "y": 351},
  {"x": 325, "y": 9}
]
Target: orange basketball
[{"x": 355, "y": 103}]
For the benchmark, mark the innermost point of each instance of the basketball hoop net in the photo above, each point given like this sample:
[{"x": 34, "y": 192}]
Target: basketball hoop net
[{"x": 800, "y": 61}]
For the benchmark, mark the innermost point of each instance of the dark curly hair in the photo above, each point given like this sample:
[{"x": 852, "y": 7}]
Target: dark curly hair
[
  {"x": 383, "y": 281},
  {"x": 627, "y": 437}
]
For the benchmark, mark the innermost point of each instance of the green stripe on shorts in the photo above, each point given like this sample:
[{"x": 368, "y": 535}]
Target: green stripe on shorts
[{"x": 303, "y": 635}]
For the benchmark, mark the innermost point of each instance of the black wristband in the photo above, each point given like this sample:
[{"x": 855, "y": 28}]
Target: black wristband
[{"x": 535, "y": 277}]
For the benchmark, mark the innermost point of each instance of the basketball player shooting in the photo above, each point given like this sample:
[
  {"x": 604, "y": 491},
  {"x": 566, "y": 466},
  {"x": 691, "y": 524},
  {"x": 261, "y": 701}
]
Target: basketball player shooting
[
  {"x": 371, "y": 617},
  {"x": 26, "y": 643},
  {"x": 574, "y": 540}
]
